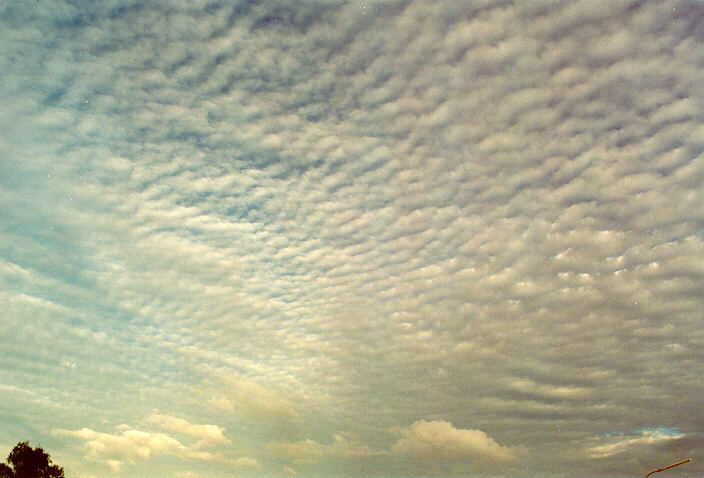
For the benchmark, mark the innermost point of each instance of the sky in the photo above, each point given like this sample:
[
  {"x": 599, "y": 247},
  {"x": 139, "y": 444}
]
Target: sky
[{"x": 327, "y": 239}]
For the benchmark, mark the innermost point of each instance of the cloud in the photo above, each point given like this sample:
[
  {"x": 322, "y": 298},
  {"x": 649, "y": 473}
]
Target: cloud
[
  {"x": 68, "y": 364},
  {"x": 440, "y": 443},
  {"x": 641, "y": 450},
  {"x": 189, "y": 474},
  {"x": 356, "y": 215},
  {"x": 246, "y": 462},
  {"x": 131, "y": 445},
  {"x": 300, "y": 452},
  {"x": 250, "y": 397},
  {"x": 628, "y": 444},
  {"x": 530, "y": 387},
  {"x": 307, "y": 452},
  {"x": 208, "y": 434},
  {"x": 259, "y": 400}
]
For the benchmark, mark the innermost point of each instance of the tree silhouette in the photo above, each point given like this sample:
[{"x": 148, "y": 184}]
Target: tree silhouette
[
  {"x": 6, "y": 471},
  {"x": 27, "y": 462}
]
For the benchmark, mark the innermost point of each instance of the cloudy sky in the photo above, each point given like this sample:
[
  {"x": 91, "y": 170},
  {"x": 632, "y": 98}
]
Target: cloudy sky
[{"x": 365, "y": 239}]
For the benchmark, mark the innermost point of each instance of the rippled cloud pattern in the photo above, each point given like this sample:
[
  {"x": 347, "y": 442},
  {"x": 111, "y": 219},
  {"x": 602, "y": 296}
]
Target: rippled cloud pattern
[{"x": 322, "y": 238}]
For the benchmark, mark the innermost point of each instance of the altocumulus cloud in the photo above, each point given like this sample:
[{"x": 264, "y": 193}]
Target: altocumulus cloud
[{"x": 344, "y": 237}]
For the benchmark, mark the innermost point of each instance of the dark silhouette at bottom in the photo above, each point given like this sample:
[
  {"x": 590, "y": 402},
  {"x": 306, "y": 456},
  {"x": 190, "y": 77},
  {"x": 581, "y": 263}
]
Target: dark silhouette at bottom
[{"x": 27, "y": 462}]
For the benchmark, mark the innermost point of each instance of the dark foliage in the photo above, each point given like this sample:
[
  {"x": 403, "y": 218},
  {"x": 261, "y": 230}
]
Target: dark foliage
[
  {"x": 27, "y": 462},
  {"x": 6, "y": 471}
]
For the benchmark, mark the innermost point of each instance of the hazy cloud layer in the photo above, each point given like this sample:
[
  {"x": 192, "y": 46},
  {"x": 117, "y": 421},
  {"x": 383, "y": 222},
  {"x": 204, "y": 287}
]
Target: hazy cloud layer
[
  {"x": 309, "y": 451},
  {"x": 334, "y": 238}
]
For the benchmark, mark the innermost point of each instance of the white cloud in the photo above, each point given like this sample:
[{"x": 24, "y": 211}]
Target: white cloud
[
  {"x": 623, "y": 444},
  {"x": 68, "y": 364},
  {"x": 208, "y": 434},
  {"x": 560, "y": 392},
  {"x": 438, "y": 442},
  {"x": 130, "y": 445}
]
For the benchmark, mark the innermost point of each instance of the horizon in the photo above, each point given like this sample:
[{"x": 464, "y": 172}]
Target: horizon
[{"x": 328, "y": 238}]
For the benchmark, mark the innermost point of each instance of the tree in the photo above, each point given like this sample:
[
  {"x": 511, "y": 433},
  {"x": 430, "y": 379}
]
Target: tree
[
  {"x": 6, "y": 471},
  {"x": 28, "y": 462}
]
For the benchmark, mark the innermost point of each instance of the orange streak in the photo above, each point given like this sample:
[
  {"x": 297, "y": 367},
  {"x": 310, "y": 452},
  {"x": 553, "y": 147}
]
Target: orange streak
[{"x": 668, "y": 467}]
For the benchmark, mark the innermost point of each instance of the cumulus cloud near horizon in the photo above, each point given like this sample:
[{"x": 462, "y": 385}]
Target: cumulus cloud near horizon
[
  {"x": 129, "y": 445},
  {"x": 438, "y": 442}
]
